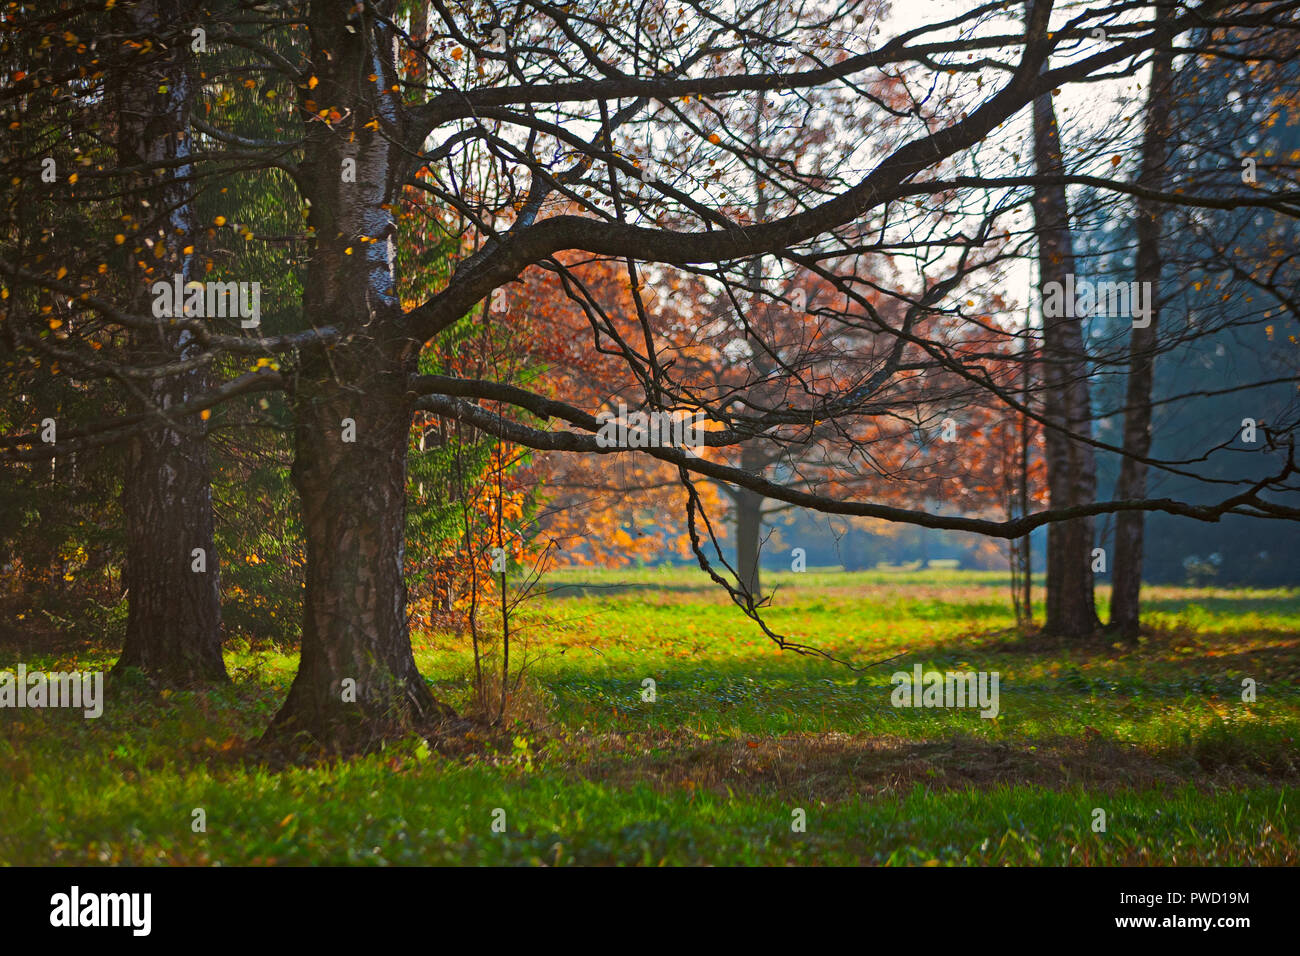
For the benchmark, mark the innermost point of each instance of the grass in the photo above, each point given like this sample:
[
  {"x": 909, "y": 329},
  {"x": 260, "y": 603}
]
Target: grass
[{"x": 740, "y": 736}]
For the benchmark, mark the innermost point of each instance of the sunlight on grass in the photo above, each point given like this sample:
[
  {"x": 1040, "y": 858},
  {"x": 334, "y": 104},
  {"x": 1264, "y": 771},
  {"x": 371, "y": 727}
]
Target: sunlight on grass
[{"x": 739, "y": 735}]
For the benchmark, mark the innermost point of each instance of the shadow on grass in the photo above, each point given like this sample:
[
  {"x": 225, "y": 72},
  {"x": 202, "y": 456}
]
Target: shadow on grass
[
  {"x": 833, "y": 767},
  {"x": 1224, "y": 605}
]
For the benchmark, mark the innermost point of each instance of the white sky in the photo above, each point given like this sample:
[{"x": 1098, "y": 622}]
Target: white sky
[{"x": 1084, "y": 110}]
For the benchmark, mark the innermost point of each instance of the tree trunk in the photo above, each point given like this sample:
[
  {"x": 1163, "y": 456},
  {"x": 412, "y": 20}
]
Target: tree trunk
[
  {"x": 173, "y": 629},
  {"x": 1022, "y": 549},
  {"x": 353, "y": 496},
  {"x": 357, "y": 683},
  {"x": 1126, "y": 572},
  {"x": 1071, "y": 464},
  {"x": 753, "y": 458},
  {"x": 749, "y": 536}
]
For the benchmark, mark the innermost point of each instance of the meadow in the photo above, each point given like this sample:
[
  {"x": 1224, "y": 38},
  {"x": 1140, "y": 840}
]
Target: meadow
[{"x": 739, "y": 737}]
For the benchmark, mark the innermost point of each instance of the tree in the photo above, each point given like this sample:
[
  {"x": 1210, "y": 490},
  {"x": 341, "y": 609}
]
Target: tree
[
  {"x": 1071, "y": 463},
  {"x": 1156, "y": 150},
  {"x": 173, "y": 630},
  {"x": 597, "y": 510},
  {"x": 514, "y": 134}
]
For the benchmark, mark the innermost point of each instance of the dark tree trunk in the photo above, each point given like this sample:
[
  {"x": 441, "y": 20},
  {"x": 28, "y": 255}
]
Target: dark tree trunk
[
  {"x": 1022, "y": 551},
  {"x": 749, "y": 536},
  {"x": 353, "y": 493},
  {"x": 173, "y": 629},
  {"x": 1071, "y": 464},
  {"x": 353, "y": 498},
  {"x": 1126, "y": 572},
  {"x": 753, "y": 458}
]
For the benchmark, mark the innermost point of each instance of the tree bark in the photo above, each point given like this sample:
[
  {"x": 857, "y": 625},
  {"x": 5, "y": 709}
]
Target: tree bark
[
  {"x": 1126, "y": 572},
  {"x": 173, "y": 629},
  {"x": 353, "y": 492},
  {"x": 753, "y": 458},
  {"x": 749, "y": 531},
  {"x": 353, "y": 496},
  {"x": 1071, "y": 464}
]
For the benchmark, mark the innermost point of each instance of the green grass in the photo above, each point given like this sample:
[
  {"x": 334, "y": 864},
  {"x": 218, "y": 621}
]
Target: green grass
[{"x": 740, "y": 735}]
